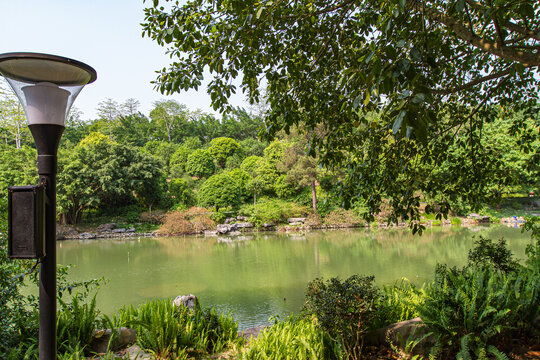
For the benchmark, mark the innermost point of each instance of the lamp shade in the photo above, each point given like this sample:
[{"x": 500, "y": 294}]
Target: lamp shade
[{"x": 46, "y": 85}]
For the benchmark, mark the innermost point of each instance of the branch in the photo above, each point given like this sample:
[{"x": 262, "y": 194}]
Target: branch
[
  {"x": 472, "y": 83},
  {"x": 494, "y": 48}
]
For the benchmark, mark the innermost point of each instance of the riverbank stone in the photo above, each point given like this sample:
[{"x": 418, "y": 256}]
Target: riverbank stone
[
  {"x": 86, "y": 236},
  {"x": 190, "y": 301},
  {"x": 106, "y": 227},
  {"x": 300, "y": 220},
  {"x": 101, "y": 339}
]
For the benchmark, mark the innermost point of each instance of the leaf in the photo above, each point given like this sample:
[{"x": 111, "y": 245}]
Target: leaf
[
  {"x": 398, "y": 121},
  {"x": 460, "y": 5},
  {"x": 259, "y": 11}
]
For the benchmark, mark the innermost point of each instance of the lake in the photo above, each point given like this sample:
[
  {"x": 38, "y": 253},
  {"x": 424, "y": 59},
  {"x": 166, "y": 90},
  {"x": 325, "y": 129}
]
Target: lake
[{"x": 261, "y": 274}]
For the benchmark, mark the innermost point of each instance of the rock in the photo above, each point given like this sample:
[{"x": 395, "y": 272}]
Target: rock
[
  {"x": 210, "y": 233},
  {"x": 136, "y": 353},
  {"x": 297, "y": 223},
  {"x": 396, "y": 334},
  {"x": 235, "y": 233},
  {"x": 131, "y": 230},
  {"x": 87, "y": 236},
  {"x": 296, "y": 220},
  {"x": 101, "y": 339},
  {"x": 242, "y": 218},
  {"x": 244, "y": 225},
  {"x": 65, "y": 232},
  {"x": 106, "y": 227},
  {"x": 252, "y": 332},
  {"x": 226, "y": 228},
  {"x": 190, "y": 301},
  {"x": 119, "y": 231},
  {"x": 229, "y": 220},
  {"x": 268, "y": 225},
  {"x": 478, "y": 217}
]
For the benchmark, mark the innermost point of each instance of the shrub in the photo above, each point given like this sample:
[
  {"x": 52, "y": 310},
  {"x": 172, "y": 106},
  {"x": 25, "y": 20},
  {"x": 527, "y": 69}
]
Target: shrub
[
  {"x": 220, "y": 190},
  {"x": 76, "y": 324},
  {"x": 153, "y": 217},
  {"x": 200, "y": 163},
  {"x": 222, "y": 148},
  {"x": 179, "y": 158},
  {"x": 182, "y": 192},
  {"x": 191, "y": 221},
  {"x": 272, "y": 211},
  {"x": 399, "y": 302},
  {"x": 342, "y": 218},
  {"x": 294, "y": 338},
  {"x": 346, "y": 310},
  {"x": 487, "y": 253},
  {"x": 174, "y": 333}
]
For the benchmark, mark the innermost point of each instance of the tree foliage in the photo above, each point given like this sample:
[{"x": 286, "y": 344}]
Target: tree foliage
[
  {"x": 393, "y": 83},
  {"x": 219, "y": 191},
  {"x": 222, "y": 148},
  {"x": 101, "y": 172},
  {"x": 200, "y": 163}
]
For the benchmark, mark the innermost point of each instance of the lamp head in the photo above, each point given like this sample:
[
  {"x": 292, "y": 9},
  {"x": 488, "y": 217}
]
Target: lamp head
[{"x": 46, "y": 85}]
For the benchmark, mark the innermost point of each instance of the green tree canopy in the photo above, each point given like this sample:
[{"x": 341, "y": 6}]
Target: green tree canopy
[
  {"x": 102, "y": 173},
  {"x": 390, "y": 85},
  {"x": 220, "y": 190},
  {"x": 222, "y": 148},
  {"x": 200, "y": 163}
]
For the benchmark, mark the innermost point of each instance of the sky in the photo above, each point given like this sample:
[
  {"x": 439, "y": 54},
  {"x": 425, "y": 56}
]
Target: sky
[{"x": 105, "y": 34}]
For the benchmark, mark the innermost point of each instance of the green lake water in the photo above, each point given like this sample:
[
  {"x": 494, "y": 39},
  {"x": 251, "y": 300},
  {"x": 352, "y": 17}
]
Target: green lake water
[{"x": 258, "y": 275}]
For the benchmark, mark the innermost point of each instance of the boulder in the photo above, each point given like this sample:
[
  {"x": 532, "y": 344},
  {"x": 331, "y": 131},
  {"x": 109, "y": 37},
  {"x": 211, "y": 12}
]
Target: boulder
[
  {"x": 190, "y": 301},
  {"x": 119, "y": 231},
  {"x": 124, "y": 337},
  {"x": 210, "y": 233},
  {"x": 297, "y": 223},
  {"x": 65, "y": 232},
  {"x": 242, "y": 218},
  {"x": 268, "y": 225},
  {"x": 296, "y": 220},
  {"x": 226, "y": 228},
  {"x": 244, "y": 225},
  {"x": 396, "y": 334},
  {"x": 478, "y": 217},
  {"x": 106, "y": 227},
  {"x": 87, "y": 236},
  {"x": 229, "y": 220},
  {"x": 131, "y": 230},
  {"x": 136, "y": 353}
]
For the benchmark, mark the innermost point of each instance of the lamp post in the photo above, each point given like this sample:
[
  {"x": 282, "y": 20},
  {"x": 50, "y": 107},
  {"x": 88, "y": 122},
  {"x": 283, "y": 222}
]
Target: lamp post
[{"x": 46, "y": 86}]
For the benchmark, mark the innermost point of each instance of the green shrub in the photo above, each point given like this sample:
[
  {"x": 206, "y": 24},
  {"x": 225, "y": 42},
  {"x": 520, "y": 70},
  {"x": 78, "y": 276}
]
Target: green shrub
[
  {"x": 346, "y": 310},
  {"x": 293, "y": 338},
  {"x": 220, "y": 191},
  {"x": 174, "y": 333},
  {"x": 200, "y": 163},
  {"x": 487, "y": 253},
  {"x": 182, "y": 192},
  {"x": 455, "y": 221},
  {"x": 272, "y": 211},
  {"x": 399, "y": 302},
  {"x": 76, "y": 323}
]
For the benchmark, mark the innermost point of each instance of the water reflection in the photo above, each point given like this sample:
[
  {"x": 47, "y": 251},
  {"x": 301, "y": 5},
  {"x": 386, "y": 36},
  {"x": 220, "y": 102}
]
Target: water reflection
[{"x": 258, "y": 275}]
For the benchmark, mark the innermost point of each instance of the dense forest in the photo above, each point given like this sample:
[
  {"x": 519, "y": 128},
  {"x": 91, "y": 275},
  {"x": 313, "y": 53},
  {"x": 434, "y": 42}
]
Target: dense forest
[{"x": 176, "y": 158}]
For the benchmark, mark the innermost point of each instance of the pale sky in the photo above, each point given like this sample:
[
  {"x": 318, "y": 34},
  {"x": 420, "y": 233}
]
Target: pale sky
[{"x": 103, "y": 34}]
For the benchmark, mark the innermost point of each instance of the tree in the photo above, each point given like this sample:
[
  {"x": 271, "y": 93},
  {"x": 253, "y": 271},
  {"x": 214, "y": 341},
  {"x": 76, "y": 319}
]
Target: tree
[
  {"x": 100, "y": 172},
  {"x": 109, "y": 111},
  {"x": 393, "y": 83},
  {"x": 161, "y": 150},
  {"x": 220, "y": 190},
  {"x": 135, "y": 130},
  {"x": 222, "y": 148},
  {"x": 179, "y": 159},
  {"x": 130, "y": 107},
  {"x": 17, "y": 166},
  {"x": 12, "y": 118},
  {"x": 168, "y": 114},
  {"x": 182, "y": 192},
  {"x": 300, "y": 169},
  {"x": 200, "y": 163}
]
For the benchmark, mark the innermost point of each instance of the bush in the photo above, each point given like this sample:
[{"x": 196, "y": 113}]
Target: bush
[
  {"x": 346, "y": 310},
  {"x": 399, "y": 302},
  {"x": 294, "y": 338},
  {"x": 200, "y": 164},
  {"x": 170, "y": 332},
  {"x": 342, "y": 218},
  {"x": 182, "y": 192},
  {"x": 272, "y": 211},
  {"x": 487, "y": 253},
  {"x": 220, "y": 190},
  {"x": 222, "y": 148},
  {"x": 191, "y": 221}
]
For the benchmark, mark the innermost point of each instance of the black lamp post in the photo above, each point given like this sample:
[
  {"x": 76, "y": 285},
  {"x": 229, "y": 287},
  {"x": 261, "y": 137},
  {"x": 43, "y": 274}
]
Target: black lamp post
[{"x": 46, "y": 86}]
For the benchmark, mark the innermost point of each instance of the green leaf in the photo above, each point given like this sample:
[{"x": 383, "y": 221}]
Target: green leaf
[{"x": 398, "y": 121}]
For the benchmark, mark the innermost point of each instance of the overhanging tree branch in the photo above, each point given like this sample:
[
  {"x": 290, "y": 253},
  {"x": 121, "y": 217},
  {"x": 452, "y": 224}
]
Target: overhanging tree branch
[{"x": 472, "y": 83}]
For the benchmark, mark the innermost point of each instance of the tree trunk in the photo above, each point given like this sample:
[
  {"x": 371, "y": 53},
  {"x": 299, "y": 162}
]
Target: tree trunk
[{"x": 314, "y": 196}]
